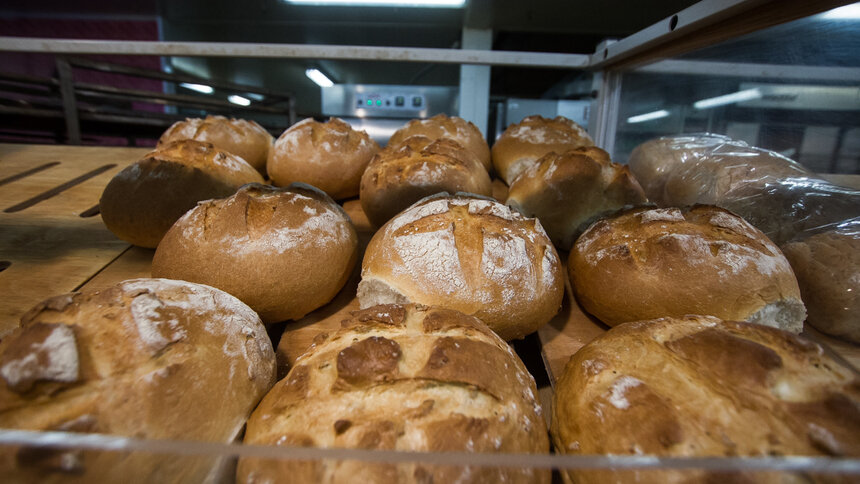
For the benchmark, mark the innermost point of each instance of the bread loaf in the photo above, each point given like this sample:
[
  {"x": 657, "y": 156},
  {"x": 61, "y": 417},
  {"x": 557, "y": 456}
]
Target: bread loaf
[
  {"x": 400, "y": 175},
  {"x": 470, "y": 254},
  {"x": 143, "y": 200},
  {"x": 568, "y": 191},
  {"x": 284, "y": 252},
  {"x": 330, "y": 156},
  {"x": 700, "y": 386},
  {"x": 410, "y": 378},
  {"x": 650, "y": 263},
  {"x": 522, "y": 144},
  {"x": 146, "y": 358},
  {"x": 465, "y": 133},
  {"x": 243, "y": 138}
]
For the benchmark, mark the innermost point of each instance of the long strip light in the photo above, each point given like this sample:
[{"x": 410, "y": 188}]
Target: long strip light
[
  {"x": 201, "y": 88},
  {"x": 641, "y": 118},
  {"x": 241, "y": 101},
  {"x": 846, "y": 12},
  {"x": 318, "y": 77},
  {"x": 735, "y": 97},
  {"x": 383, "y": 3}
]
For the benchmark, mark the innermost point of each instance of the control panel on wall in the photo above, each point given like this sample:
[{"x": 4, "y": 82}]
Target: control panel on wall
[
  {"x": 388, "y": 101},
  {"x": 374, "y": 100}
]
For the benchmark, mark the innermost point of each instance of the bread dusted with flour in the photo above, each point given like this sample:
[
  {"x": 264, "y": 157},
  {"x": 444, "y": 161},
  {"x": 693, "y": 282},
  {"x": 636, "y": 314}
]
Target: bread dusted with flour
[
  {"x": 282, "y": 251},
  {"x": 454, "y": 128},
  {"x": 243, "y": 138},
  {"x": 402, "y": 174},
  {"x": 699, "y": 386},
  {"x": 146, "y": 358},
  {"x": 408, "y": 378},
  {"x": 467, "y": 253},
  {"x": 650, "y": 263}
]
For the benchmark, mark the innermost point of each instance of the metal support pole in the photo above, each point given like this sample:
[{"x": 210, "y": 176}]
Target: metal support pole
[
  {"x": 475, "y": 81},
  {"x": 604, "y": 122},
  {"x": 70, "y": 105}
]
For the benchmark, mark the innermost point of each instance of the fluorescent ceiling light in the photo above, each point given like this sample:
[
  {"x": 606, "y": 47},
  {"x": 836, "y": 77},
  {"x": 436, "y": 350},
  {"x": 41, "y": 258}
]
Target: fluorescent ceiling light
[
  {"x": 847, "y": 12},
  {"x": 254, "y": 96},
  {"x": 735, "y": 97},
  {"x": 198, "y": 87},
  {"x": 238, "y": 100},
  {"x": 648, "y": 116},
  {"x": 383, "y": 3},
  {"x": 318, "y": 77}
]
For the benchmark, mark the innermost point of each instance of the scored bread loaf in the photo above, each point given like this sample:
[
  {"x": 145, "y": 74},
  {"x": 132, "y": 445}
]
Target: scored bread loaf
[
  {"x": 330, "y": 156},
  {"x": 522, "y": 144},
  {"x": 409, "y": 378},
  {"x": 241, "y": 137},
  {"x": 145, "y": 358},
  {"x": 465, "y": 133},
  {"x": 699, "y": 386},
  {"x": 467, "y": 253},
  {"x": 143, "y": 200},
  {"x": 282, "y": 251},
  {"x": 568, "y": 191},
  {"x": 650, "y": 263},
  {"x": 402, "y": 174}
]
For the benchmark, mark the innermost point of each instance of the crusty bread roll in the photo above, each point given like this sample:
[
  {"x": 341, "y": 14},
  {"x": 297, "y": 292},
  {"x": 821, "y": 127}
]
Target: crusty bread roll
[
  {"x": 699, "y": 386},
  {"x": 568, "y": 191},
  {"x": 143, "y": 200},
  {"x": 454, "y": 128},
  {"x": 330, "y": 156},
  {"x": 402, "y": 174},
  {"x": 283, "y": 252},
  {"x": 522, "y": 144},
  {"x": 651, "y": 263},
  {"x": 146, "y": 358},
  {"x": 409, "y": 378},
  {"x": 827, "y": 266},
  {"x": 244, "y": 138},
  {"x": 470, "y": 254}
]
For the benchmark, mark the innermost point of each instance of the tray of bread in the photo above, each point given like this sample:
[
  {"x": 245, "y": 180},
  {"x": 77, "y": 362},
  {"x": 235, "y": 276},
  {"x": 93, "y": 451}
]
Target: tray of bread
[{"x": 233, "y": 307}]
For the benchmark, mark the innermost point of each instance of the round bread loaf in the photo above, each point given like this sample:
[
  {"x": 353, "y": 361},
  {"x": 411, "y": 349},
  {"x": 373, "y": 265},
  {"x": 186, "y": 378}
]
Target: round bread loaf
[
  {"x": 244, "y": 138},
  {"x": 143, "y": 200},
  {"x": 470, "y": 254},
  {"x": 827, "y": 266},
  {"x": 699, "y": 386},
  {"x": 283, "y": 252},
  {"x": 522, "y": 144},
  {"x": 651, "y": 263},
  {"x": 330, "y": 156},
  {"x": 454, "y": 128},
  {"x": 145, "y": 358},
  {"x": 400, "y": 175},
  {"x": 568, "y": 191},
  {"x": 408, "y": 378}
]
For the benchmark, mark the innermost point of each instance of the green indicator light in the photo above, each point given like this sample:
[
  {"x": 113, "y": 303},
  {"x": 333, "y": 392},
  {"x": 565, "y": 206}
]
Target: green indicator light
[
  {"x": 379, "y": 102},
  {"x": 370, "y": 102}
]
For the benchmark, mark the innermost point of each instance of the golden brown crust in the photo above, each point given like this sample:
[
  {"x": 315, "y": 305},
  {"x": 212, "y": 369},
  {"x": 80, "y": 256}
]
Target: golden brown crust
[
  {"x": 463, "y": 132},
  {"x": 566, "y": 192},
  {"x": 402, "y": 174},
  {"x": 467, "y": 253},
  {"x": 243, "y": 138},
  {"x": 358, "y": 392},
  {"x": 146, "y": 358},
  {"x": 650, "y": 263},
  {"x": 522, "y": 144},
  {"x": 143, "y": 200},
  {"x": 284, "y": 252},
  {"x": 700, "y": 386},
  {"x": 330, "y": 156}
]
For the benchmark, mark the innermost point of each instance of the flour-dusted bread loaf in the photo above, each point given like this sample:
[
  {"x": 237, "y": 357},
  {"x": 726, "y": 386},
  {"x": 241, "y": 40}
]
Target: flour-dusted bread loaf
[
  {"x": 330, "y": 156},
  {"x": 243, "y": 138},
  {"x": 522, "y": 144},
  {"x": 282, "y": 251},
  {"x": 465, "y": 133},
  {"x": 467, "y": 253},
  {"x": 700, "y": 386},
  {"x": 827, "y": 266},
  {"x": 409, "y": 378},
  {"x": 568, "y": 191},
  {"x": 145, "y": 358},
  {"x": 650, "y": 263},
  {"x": 143, "y": 200},
  {"x": 402, "y": 174}
]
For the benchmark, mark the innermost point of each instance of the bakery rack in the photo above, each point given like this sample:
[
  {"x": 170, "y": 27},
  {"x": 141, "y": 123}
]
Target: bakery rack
[{"x": 53, "y": 241}]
